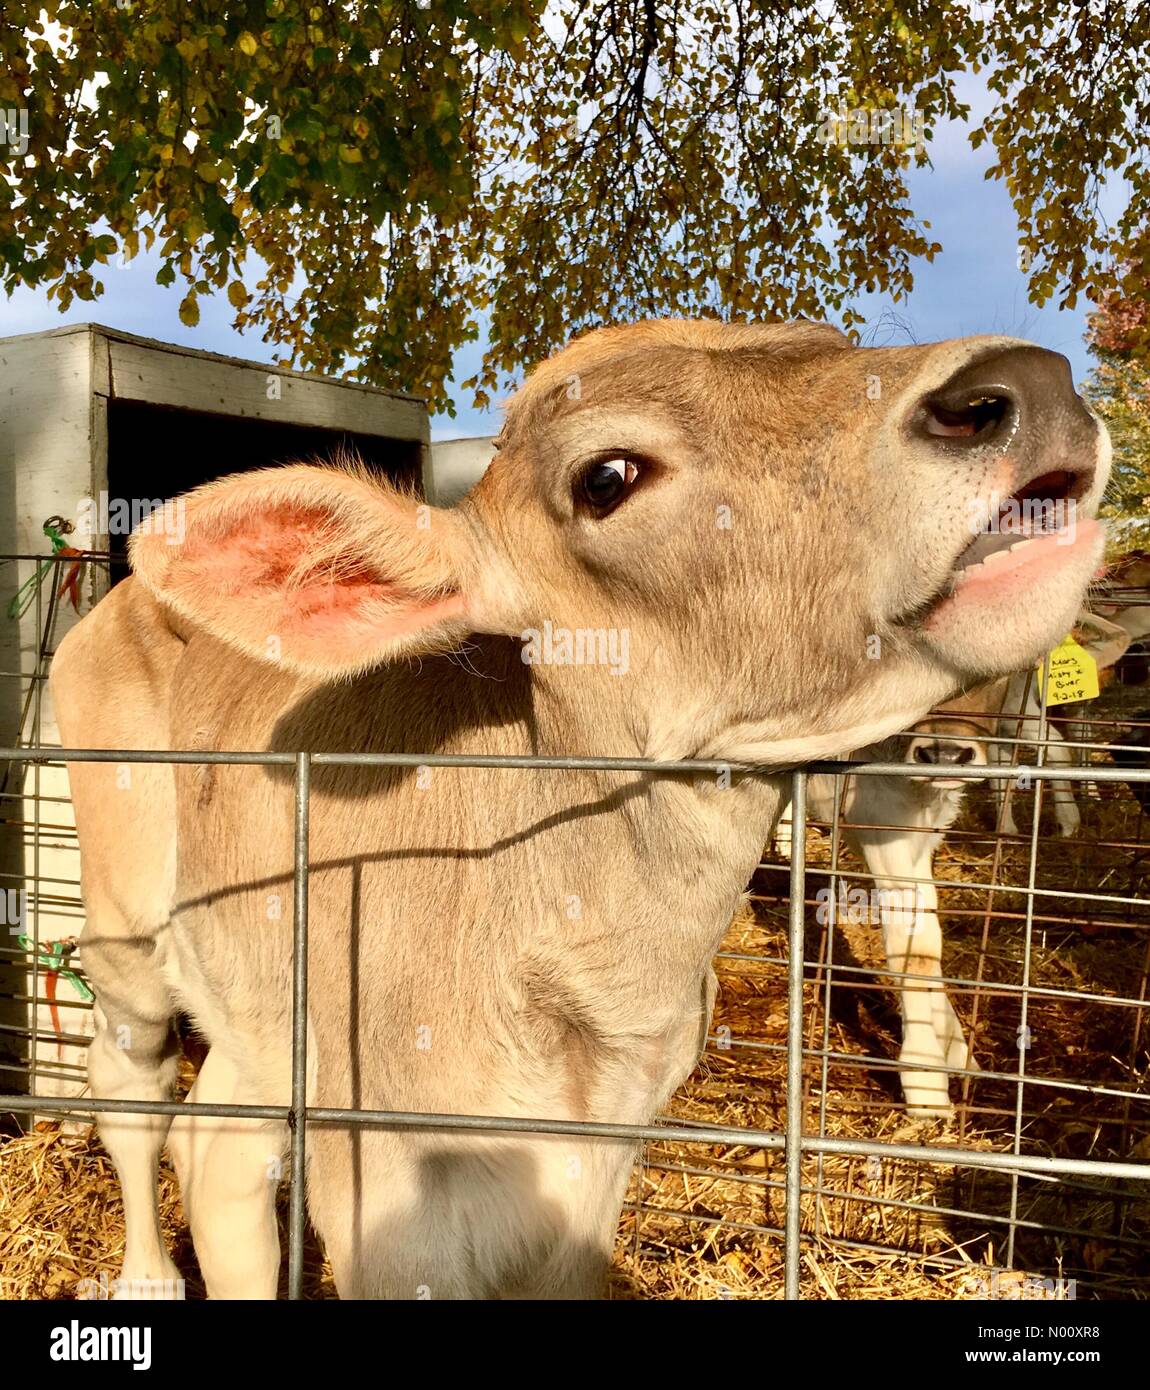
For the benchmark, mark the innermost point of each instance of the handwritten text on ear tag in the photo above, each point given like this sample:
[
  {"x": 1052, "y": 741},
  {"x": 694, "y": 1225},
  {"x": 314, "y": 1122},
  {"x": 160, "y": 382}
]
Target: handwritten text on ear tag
[{"x": 1073, "y": 674}]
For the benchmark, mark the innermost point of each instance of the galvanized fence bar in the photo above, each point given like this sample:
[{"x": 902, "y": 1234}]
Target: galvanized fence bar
[
  {"x": 1023, "y": 1035},
  {"x": 1003, "y": 987},
  {"x": 41, "y": 644},
  {"x": 900, "y": 1204},
  {"x": 707, "y": 766},
  {"x": 297, "y": 1210},
  {"x": 827, "y": 949},
  {"x": 792, "y": 1143},
  {"x": 1024, "y": 890},
  {"x": 1026, "y": 1164},
  {"x": 873, "y": 1062},
  {"x": 794, "y": 1154}
]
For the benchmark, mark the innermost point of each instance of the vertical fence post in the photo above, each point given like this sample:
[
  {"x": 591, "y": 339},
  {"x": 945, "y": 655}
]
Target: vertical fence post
[
  {"x": 826, "y": 963},
  {"x": 794, "y": 1175},
  {"x": 35, "y": 737},
  {"x": 1023, "y": 1034},
  {"x": 296, "y": 1210}
]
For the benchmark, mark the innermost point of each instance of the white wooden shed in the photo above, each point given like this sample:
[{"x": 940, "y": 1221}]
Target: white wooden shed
[
  {"x": 458, "y": 464},
  {"x": 94, "y": 423}
]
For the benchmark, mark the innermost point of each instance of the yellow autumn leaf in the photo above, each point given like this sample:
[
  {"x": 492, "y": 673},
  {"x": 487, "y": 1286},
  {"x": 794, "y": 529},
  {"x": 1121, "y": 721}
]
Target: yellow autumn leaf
[
  {"x": 190, "y": 310},
  {"x": 237, "y": 294},
  {"x": 302, "y": 228}
]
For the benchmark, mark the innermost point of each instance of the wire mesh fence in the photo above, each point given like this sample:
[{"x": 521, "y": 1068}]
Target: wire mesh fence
[{"x": 788, "y": 1162}]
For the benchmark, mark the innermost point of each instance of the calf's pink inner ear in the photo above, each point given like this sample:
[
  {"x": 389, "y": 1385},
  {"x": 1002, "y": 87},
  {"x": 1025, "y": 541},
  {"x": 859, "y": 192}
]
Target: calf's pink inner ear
[
  {"x": 334, "y": 590},
  {"x": 290, "y": 549}
]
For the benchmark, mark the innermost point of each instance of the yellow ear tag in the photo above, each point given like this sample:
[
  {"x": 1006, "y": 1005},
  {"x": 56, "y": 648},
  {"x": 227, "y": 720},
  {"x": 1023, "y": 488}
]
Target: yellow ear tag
[{"x": 1073, "y": 674}]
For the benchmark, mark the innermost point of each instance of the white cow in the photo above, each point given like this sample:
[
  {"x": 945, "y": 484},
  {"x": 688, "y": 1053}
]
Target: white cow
[{"x": 896, "y": 825}]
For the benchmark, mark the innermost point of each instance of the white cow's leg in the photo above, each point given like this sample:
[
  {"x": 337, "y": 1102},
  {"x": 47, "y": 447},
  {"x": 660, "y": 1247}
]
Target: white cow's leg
[
  {"x": 913, "y": 941},
  {"x": 229, "y": 1170},
  {"x": 1061, "y": 794},
  {"x": 783, "y": 832},
  {"x": 1009, "y": 824},
  {"x": 932, "y": 1035},
  {"x": 949, "y": 1029},
  {"x": 133, "y": 1056},
  {"x": 1006, "y": 793},
  {"x": 1066, "y": 811}
]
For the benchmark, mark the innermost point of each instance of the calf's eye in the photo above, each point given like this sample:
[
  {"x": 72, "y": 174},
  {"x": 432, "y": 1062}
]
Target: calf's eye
[{"x": 605, "y": 484}]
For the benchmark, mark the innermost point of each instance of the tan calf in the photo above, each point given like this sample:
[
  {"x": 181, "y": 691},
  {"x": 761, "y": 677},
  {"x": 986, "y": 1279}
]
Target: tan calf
[{"x": 781, "y": 552}]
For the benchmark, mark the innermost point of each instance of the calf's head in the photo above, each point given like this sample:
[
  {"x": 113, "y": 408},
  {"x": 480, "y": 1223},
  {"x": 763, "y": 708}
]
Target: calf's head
[
  {"x": 937, "y": 745},
  {"x": 777, "y": 528}
]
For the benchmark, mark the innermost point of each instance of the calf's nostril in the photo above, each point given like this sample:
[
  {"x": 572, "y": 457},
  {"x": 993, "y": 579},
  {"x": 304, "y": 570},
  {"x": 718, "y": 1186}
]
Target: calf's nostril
[
  {"x": 943, "y": 753},
  {"x": 1017, "y": 397},
  {"x": 966, "y": 415},
  {"x": 955, "y": 754}
]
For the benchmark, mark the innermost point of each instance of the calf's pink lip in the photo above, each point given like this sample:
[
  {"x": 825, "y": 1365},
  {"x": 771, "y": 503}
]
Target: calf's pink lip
[{"x": 1014, "y": 569}]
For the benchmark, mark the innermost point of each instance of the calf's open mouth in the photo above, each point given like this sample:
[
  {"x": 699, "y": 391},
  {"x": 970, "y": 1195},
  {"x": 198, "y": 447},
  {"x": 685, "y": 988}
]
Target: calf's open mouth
[
  {"x": 1043, "y": 509},
  {"x": 1029, "y": 528},
  {"x": 1024, "y": 533}
]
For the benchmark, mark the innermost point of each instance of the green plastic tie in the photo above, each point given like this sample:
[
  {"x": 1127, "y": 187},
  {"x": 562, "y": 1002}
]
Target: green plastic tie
[
  {"x": 22, "y": 600},
  {"x": 52, "y": 955}
]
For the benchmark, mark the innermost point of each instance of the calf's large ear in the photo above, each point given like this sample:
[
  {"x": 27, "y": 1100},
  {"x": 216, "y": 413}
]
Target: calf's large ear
[{"x": 326, "y": 570}]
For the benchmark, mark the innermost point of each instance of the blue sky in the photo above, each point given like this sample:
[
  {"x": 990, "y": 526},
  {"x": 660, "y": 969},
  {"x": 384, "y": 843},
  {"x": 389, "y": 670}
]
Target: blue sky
[{"x": 973, "y": 286}]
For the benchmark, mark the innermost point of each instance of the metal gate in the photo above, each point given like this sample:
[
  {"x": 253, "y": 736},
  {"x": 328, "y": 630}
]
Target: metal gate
[{"x": 794, "y": 1176}]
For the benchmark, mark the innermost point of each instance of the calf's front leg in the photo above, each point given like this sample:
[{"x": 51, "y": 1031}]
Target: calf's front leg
[
  {"x": 229, "y": 1170},
  {"x": 133, "y": 1056}
]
